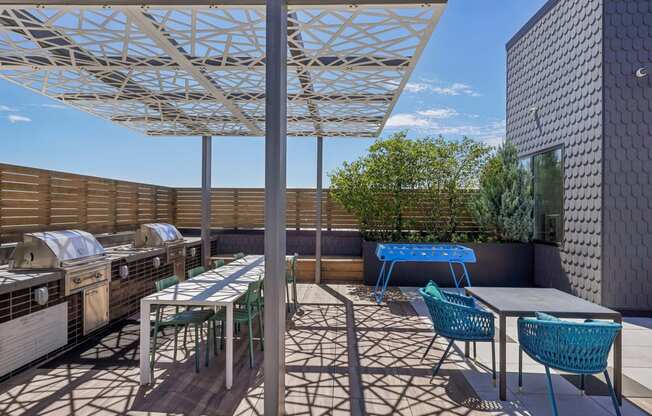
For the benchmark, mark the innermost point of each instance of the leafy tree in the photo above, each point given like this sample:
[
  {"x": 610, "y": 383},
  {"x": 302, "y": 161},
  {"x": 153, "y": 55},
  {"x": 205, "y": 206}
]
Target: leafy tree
[
  {"x": 375, "y": 187},
  {"x": 503, "y": 205},
  {"x": 400, "y": 176},
  {"x": 451, "y": 170}
]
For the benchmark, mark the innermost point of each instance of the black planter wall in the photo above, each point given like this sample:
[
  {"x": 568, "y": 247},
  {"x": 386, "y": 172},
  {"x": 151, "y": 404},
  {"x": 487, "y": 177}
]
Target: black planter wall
[
  {"x": 498, "y": 264},
  {"x": 334, "y": 243}
]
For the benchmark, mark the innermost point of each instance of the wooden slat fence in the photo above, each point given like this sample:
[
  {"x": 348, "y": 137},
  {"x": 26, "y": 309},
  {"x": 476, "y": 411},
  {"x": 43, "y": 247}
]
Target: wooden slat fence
[
  {"x": 243, "y": 208},
  {"x": 39, "y": 200}
]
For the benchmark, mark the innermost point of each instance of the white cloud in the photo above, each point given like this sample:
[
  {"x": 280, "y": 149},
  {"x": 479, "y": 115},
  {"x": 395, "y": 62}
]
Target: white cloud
[
  {"x": 15, "y": 118},
  {"x": 6, "y": 108},
  {"x": 407, "y": 120},
  {"x": 493, "y": 141},
  {"x": 57, "y": 106},
  {"x": 430, "y": 122},
  {"x": 456, "y": 88},
  {"x": 416, "y": 87},
  {"x": 439, "y": 113}
]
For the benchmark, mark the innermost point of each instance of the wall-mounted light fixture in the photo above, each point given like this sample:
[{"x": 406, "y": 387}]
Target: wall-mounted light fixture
[
  {"x": 641, "y": 72},
  {"x": 534, "y": 111}
]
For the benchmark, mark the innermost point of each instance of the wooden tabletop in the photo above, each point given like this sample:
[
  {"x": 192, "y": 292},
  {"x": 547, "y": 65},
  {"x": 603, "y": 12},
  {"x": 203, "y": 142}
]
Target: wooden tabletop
[
  {"x": 220, "y": 286},
  {"x": 523, "y": 301}
]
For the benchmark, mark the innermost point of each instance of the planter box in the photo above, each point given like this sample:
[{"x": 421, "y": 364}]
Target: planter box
[
  {"x": 334, "y": 243},
  {"x": 498, "y": 264}
]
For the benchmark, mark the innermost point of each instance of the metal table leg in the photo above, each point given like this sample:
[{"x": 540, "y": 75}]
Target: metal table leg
[
  {"x": 145, "y": 370},
  {"x": 618, "y": 364},
  {"x": 502, "y": 340},
  {"x": 229, "y": 346}
]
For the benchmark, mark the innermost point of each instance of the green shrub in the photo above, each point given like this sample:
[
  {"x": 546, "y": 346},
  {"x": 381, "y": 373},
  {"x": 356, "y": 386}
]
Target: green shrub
[
  {"x": 400, "y": 176},
  {"x": 503, "y": 204}
]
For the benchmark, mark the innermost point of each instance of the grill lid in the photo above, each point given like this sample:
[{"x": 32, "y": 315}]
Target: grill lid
[
  {"x": 54, "y": 248},
  {"x": 69, "y": 245},
  {"x": 157, "y": 234}
]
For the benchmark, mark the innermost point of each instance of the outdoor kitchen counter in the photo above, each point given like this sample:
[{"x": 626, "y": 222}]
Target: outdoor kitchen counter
[
  {"x": 129, "y": 251},
  {"x": 13, "y": 281}
]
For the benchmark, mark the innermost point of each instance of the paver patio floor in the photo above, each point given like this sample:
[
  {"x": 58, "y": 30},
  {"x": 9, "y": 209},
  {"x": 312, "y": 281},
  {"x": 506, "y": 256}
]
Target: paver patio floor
[{"x": 344, "y": 355}]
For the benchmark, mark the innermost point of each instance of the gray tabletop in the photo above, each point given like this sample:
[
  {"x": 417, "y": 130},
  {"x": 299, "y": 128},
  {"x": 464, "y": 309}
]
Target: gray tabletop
[{"x": 518, "y": 301}]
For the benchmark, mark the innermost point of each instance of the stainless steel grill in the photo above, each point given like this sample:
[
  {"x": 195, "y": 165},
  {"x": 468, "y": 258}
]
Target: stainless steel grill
[
  {"x": 166, "y": 236},
  {"x": 82, "y": 261}
]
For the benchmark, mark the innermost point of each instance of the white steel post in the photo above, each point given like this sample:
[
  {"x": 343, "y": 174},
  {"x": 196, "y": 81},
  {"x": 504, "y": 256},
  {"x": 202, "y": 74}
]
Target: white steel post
[
  {"x": 275, "y": 200},
  {"x": 206, "y": 200},
  {"x": 320, "y": 151}
]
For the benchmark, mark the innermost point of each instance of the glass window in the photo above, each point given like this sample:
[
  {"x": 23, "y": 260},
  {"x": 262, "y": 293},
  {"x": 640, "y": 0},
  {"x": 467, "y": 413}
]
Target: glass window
[{"x": 548, "y": 188}]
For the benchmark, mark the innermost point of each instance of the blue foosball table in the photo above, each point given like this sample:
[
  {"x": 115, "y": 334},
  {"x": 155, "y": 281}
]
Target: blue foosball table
[{"x": 453, "y": 254}]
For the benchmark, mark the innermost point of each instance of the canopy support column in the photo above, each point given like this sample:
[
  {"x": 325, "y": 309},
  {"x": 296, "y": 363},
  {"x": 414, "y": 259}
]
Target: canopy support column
[
  {"x": 320, "y": 151},
  {"x": 275, "y": 204},
  {"x": 206, "y": 200}
]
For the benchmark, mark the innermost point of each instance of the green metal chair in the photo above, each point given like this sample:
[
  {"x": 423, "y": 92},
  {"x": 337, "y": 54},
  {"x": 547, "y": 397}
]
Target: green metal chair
[
  {"x": 196, "y": 271},
  {"x": 291, "y": 279},
  {"x": 246, "y": 309},
  {"x": 218, "y": 263},
  {"x": 183, "y": 319},
  {"x": 238, "y": 256}
]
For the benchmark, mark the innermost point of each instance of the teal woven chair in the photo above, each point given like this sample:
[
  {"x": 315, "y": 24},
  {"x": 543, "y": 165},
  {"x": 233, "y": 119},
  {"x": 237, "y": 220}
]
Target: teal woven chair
[
  {"x": 291, "y": 280},
  {"x": 217, "y": 263},
  {"x": 575, "y": 347},
  {"x": 246, "y": 309},
  {"x": 177, "y": 320},
  {"x": 458, "y": 321},
  {"x": 456, "y": 299},
  {"x": 196, "y": 271},
  {"x": 238, "y": 256}
]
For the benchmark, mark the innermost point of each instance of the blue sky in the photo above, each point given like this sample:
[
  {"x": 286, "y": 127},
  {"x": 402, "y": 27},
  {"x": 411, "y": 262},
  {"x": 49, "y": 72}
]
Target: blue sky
[{"x": 458, "y": 88}]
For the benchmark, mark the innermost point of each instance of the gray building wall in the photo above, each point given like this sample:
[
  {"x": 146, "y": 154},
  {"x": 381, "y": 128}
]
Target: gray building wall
[
  {"x": 554, "y": 64},
  {"x": 627, "y": 168}
]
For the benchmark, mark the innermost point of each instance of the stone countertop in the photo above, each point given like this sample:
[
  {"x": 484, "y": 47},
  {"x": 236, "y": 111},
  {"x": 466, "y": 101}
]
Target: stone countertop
[
  {"x": 131, "y": 253},
  {"x": 12, "y": 281}
]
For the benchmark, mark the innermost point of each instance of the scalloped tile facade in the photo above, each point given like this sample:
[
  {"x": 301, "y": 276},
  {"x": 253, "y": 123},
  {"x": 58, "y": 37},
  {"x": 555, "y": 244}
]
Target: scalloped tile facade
[
  {"x": 575, "y": 62},
  {"x": 554, "y": 65},
  {"x": 627, "y": 169}
]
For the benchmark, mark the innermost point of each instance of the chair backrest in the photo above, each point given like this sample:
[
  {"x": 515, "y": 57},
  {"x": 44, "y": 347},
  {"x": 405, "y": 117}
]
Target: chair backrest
[
  {"x": 253, "y": 294},
  {"x": 238, "y": 256},
  {"x": 165, "y": 283},
  {"x": 577, "y": 347},
  {"x": 458, "y": 321},
  {"x": 218, "y": 263},
  {"x": 196, "y": 271},
  {"x": 291, "y": 269}
]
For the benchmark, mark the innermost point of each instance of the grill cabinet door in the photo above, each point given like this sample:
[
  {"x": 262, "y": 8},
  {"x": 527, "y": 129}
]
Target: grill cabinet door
[{"x": 96, "y": 307}]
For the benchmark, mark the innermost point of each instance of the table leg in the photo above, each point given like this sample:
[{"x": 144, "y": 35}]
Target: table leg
[
  {"x": 229, "y": 346},
  {"x": 145, "y": 371},
  {"x": 502, "y": 340},
  {"x": 466, "y": 349},
  {"x": 618, "y": 364}
]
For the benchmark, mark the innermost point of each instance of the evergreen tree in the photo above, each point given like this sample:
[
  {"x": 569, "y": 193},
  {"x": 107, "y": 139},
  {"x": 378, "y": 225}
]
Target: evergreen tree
[{"x": 503, "y": 205}]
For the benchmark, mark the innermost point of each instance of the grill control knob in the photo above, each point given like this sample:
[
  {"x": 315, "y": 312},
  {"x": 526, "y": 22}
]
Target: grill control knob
[
  {"x": 77, "y": 280},
  {"x": 156, "y": 262},
  {"x": 41, "y": 295},
  {"x": 124, "y": 271}
]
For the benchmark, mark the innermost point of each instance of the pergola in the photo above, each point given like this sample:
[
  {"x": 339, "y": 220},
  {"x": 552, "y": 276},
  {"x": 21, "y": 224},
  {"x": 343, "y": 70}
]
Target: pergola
[{"x": 275, "y": 68}]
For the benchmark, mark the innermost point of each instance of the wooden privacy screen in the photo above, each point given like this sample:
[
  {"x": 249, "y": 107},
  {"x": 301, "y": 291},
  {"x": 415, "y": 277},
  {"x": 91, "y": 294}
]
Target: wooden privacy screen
[
  {"x": 39, "y": 200},
  {"x": 243, "y": 208}
]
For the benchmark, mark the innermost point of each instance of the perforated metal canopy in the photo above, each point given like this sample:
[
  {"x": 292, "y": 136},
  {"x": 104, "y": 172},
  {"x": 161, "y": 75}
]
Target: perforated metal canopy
[{"x": 197, "y": 68}]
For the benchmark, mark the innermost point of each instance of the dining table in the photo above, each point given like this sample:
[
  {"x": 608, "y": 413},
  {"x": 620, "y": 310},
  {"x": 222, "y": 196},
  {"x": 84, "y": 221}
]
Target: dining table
[
  {"x": 215, "y": 288},
  {"x": 514, "y": 302}
]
